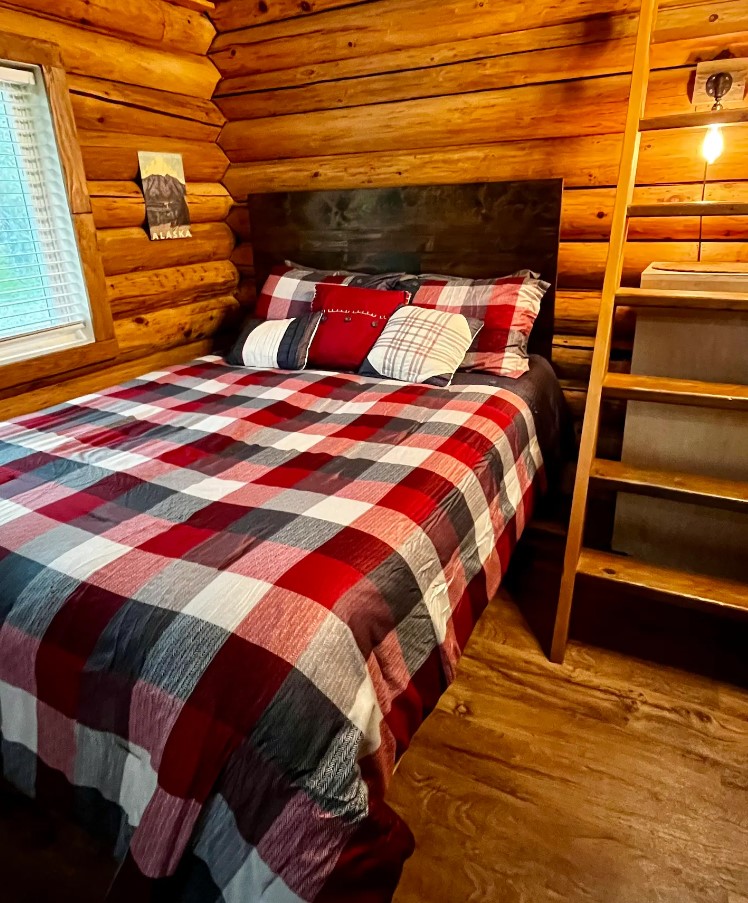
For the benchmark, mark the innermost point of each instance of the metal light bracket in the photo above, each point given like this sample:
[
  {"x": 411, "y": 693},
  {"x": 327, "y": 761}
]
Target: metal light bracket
[{"x": 717, "y": 86}]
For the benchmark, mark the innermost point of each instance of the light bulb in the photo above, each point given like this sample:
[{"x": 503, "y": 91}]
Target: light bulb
[{"x": 714, "y": 144}]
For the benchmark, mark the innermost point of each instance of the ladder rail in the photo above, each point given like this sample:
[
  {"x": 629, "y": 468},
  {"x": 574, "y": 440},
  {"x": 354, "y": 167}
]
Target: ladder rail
[{"x": 604, "y": 337}]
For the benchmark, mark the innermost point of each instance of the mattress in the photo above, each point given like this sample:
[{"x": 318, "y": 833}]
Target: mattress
[{"x": 229, "y": 599}]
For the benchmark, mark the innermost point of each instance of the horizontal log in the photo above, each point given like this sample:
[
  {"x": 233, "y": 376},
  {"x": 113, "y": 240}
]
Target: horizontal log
[
  {"x": 574, "y": 362},
  {"x": 389, "y": 24},
  {"x": 588, "y": 107},
  {"x": 147, "y": 333},
  {"x": 150, "y": 22},
  {"x": 403, "y": 25},
  {"x": 117, "y": 205},
  {"x": 236, "y": 14},
  {"x": 576, "y": 398},
  {"x": 724, "y": 17},
  {"x": 290, "y": 73},
  {"x": 582, "y": 263},
  {"x": 621, "y": 348},
  {"x": 612, "y": 410},
  {"x": 40, "y": 395},
  {"x": 124, "y": 189},
  {"x": 131, "y": 251},
  {"x": 201, "y": 6},
  {"x": 135, "y": 293},
  {"x": 115, "y": 189},
  {"x": 100, "y": 56},
  {"x": 149, "y": 99},
  {"x": 589, "y": 161},
  {"x": 577, "y": 313},
  {"x": 582, "y": 162},
  {"x": 725, "y": 252},
  {"x": 421, "y": 59},
  {"x": 325, "y": 89},
  {"x": 114, "y": 156},
  {"x": 507, "y": 70},
  {"x": 93, "y": 113},
  {"x": 587, "y": 213}
]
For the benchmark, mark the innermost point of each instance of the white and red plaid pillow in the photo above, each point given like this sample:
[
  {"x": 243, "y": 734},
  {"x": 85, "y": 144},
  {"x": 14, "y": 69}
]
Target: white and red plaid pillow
[
  {"x": 507, "y": 307},
  {"x": 421, "y": 346},
  {"x": 289, "y": 289}
]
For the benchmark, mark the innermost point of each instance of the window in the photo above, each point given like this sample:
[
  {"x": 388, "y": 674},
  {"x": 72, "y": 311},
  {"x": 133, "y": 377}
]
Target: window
[
  {"x": 43, "y": 298},
  {"x": 53, "y": 306}
]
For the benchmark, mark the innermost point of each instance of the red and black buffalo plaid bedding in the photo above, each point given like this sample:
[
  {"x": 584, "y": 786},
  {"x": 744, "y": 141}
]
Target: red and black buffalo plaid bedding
[{"x": 228, "y": 598}]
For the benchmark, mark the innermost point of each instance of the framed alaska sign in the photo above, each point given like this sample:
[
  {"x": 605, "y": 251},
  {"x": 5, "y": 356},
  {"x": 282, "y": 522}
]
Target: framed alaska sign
[{"x": 165, "y": 192}]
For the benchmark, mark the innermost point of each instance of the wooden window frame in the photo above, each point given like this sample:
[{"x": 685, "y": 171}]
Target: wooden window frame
[{"x": 47, "y": 56}]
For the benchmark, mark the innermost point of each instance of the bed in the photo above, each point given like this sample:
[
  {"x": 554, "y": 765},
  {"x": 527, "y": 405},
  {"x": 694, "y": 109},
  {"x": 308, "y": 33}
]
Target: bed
[{"x": 230, "y": 597}]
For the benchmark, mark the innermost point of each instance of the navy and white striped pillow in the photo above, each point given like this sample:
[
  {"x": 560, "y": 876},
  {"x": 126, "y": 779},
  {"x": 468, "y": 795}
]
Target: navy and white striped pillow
[{"x": 275, "y": 344}]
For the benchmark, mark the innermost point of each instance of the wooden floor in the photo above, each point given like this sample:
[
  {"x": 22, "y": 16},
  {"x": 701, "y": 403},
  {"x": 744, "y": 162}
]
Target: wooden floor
[
  {"x": 609, "y": 780},
  {"x": 606, "y": 781}
]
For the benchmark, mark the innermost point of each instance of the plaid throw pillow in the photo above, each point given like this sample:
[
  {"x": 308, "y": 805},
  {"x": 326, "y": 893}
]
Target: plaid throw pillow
[
  {"x": 421, "y": 346},
  {"x": 289, "y": 290},
  {"x": 507, "y": 307},
  {"x": 275, "y": 344}
]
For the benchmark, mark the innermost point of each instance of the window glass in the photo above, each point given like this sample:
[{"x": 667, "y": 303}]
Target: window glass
[{"x": 43, "y": 299}]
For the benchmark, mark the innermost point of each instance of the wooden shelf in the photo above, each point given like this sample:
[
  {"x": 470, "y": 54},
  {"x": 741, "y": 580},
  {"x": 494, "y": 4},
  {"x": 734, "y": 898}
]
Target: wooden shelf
[
  {"x": 717, "y": 493},
  {"x": 681, "y": 300},
  {"x": 694, "y": 120},
  {"x": 693, "y": 589},
  {"x": 689, "y": 208},
  {"x": 676, "y": 391}
]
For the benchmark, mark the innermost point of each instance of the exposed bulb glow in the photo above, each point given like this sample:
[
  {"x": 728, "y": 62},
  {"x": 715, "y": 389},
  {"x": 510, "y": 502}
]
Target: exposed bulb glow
[{"x": 714, "y": 144}]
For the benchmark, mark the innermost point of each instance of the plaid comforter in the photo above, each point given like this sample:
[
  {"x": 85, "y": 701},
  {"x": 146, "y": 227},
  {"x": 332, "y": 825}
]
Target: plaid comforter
[{"x": 228, "y": 598}]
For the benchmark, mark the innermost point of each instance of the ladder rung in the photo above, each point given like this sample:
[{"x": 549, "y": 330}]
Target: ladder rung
[
  {"x": 712, "y": 491},
  {"x": 666, "y": 390},
  {"x": 690, "y": 208},
  {"x": 694, "y": 589},
  {"x": 694, "y": 120},
  {"x": 681, "y": 300}
]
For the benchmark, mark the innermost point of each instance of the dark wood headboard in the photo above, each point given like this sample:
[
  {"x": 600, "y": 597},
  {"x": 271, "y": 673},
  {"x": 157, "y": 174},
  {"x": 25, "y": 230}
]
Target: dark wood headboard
[{"x": 480, "y": 231}]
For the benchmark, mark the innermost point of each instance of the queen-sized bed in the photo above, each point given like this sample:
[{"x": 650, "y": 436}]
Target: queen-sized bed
[{"x": 230, "y": 597}]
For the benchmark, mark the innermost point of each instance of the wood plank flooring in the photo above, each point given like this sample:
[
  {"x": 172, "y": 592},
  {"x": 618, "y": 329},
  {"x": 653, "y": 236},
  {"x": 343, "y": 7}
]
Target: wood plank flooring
[{"x": 609, "y": 780}]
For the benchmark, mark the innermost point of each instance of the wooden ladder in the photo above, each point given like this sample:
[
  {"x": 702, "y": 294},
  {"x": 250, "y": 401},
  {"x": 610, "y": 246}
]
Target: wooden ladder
[{"x": 659, "y": 581}]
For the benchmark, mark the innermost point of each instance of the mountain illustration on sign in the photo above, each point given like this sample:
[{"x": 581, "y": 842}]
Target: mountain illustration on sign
[{"x": 164, "y": 189}]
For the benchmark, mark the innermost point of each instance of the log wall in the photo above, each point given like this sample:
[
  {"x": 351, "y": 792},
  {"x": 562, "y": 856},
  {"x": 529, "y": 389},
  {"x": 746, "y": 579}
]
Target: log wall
[
  {"x": 140, "y": 79},
  {"x": 340, "y": 94}
]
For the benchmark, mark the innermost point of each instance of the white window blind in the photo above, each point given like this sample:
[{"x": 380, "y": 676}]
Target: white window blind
[{"x": 44, "y": 304}]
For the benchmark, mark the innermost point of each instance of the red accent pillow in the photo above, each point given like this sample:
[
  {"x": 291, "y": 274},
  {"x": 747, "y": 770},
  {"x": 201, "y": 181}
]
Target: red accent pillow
[{"x": 353, "y": 320}]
